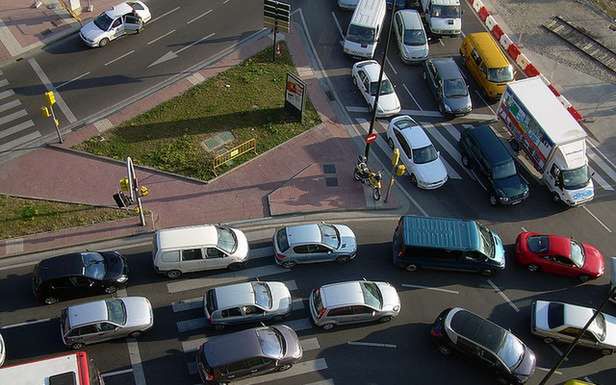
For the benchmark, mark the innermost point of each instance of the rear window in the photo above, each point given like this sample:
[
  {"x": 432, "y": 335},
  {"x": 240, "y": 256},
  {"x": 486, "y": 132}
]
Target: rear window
[
  {"x": 271, "y": 341},
  {"x": 281, "y": 240},
  {"x": 318, "y": 304},
  {"x": 116, "y": 311},
  {"x": 556, "y": 315},
  {"x": 361, "y": 35},
  {"x": 372, "y": 295}
]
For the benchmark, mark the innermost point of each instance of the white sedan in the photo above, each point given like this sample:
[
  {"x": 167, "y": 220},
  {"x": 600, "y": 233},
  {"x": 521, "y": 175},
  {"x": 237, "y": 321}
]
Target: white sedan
[
  {"x": 558, "y": 321},
  {"x": 125, "y": 18},
  {"x": 417, "y": 153},
  {"x": 365, "y": 76}
]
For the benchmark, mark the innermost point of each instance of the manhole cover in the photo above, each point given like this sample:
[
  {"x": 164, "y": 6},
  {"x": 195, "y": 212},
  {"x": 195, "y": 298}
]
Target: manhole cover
[
  {"x": 329, "y": 168},
  {"x": 331, "y": 181},
  {"x": 217, "y": 140}
]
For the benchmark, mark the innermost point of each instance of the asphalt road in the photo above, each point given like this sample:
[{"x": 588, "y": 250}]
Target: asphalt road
[{"x": 399, "y": 352}]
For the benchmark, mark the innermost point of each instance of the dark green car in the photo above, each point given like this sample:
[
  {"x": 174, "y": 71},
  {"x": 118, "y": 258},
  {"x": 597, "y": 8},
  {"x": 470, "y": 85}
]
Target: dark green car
[{"x": 483, "y": 151}]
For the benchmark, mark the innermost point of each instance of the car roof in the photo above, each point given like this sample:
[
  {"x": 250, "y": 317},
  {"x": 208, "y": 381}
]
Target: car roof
[
  {"x": 443, "y": 233},
  {"x": 119, "y": 10},
  {"x": 372, "y": 69},
  {"x": 479, "y": 330},
  {"x": 559, "y": 245},
  {"x": 65, "y": 265},
  {"x": 233, "y": 347},
  {"x": 309, "y": 233},
  {"x": 342, "y": 293},
  {"x": 447, "y": 68},
  {"x": 576, "y": 316},
  {"x": 86, "y": 313},
  {"x": 492, "y": 148},
  {"x": 187, "y": 236},
  {"x": 411, "y": 19},
  {"x": 241, "y": 294},
  {"x": 489, "y": 51},
  {"x": 416, "y": 136}
]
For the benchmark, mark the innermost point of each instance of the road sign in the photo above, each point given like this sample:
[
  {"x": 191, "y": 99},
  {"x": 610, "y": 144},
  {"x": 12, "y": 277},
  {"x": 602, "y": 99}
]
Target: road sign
[
  {"x": 276, "y": 15},
  {"x": 294, "y": 96},
  {"x": 370, "y": 138}
]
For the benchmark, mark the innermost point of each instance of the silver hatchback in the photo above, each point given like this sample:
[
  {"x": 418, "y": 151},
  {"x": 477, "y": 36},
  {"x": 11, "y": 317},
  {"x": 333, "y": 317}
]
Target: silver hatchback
[
  {"x": 314, "y": 243},
  {"x": 104, "y": 320},
  {"x": 353, "y": 302}
]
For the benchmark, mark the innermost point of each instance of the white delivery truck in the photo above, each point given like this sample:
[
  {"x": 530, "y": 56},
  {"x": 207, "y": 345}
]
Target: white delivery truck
[
  {"x": 552, "y": 140},
  {"x": 444, "y": 17}
]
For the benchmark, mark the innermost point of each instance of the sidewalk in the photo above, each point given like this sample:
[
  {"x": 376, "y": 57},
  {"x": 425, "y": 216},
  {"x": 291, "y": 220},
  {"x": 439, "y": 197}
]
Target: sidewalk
[{"x": 310, "y": 173}]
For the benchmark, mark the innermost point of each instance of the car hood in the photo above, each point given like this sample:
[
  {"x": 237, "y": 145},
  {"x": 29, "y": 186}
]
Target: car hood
[
  {"x": 390, "y": 296},
  {"x": 348, "y": 243},
  {"x": 416, "y": 50},
  {"x": 610, "y": 332},
  {"x": 593, "y": 262},
  {"x": 511, "y": 186},
  {"x": 526, "y": 367},
  {"x": 91, "y": 32},
  {"x": 431, "y": 172},
  {"x": 458, "y": 103},
  {"x": 388, "y": 102},
  {"x": 294, "y": 350},
  {"x": 281, "y": 297},
  {"x": 138, "y": 311}
]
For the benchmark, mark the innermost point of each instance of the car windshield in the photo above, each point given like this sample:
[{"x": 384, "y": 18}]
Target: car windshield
[
  {"x": 577, "y": 254},
  {"x": 271, "y": 341},
  {"x": 599, "y": 326},
  {"x": 414, "y": 37},
  {"x": 500, "y": 75},
  {"x": 386, "y": 87},
  {"x": 360, "y": 35},
  {"x": 511, "y": 351},
  {"x": 282, "y": 240},
  {"x": 487, "y": 242},
  {"x": 93, "y": 265},
  {"x": 263, "y": 296},
  {"x": 330, "y": 236},
  {"x": 103, "y": 21},
  {"x": 226, "y": 240},
  {"x": 455, "y": 88},
  {"x": 424, "y": 155},
  {"x": 576, "y": 178},
  {"x": 538, "y": 243},
  {"x": 372, "y": 295},
  {"x": 446, "y": 11},
  {"x": 504, "y": 170},
  {"x": 116, "y": 311}
]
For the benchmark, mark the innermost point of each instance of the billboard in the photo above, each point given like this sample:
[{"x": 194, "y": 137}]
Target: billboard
[{"x": 295, "y": 93}]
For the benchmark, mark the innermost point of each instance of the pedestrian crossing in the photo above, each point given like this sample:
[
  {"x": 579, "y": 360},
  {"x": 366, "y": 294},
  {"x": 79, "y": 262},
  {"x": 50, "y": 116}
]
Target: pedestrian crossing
[{"x": 15, "y": 124}]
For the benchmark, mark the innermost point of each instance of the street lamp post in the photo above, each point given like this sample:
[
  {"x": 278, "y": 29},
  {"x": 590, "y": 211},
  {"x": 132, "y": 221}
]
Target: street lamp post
[{"x": 378, "y": 89}]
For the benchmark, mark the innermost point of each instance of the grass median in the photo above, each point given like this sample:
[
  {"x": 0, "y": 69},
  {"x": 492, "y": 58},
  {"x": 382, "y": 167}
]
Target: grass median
[{"x": 246, "y": 100}]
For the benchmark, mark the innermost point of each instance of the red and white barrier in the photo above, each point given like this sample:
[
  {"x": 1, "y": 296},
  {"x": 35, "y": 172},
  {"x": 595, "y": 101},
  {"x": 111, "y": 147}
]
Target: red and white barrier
[{"x": 514, "y": 52}]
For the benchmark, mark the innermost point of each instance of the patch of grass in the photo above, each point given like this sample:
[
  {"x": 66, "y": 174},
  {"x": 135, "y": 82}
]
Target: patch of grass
[
  {"x": 20, "y": 217},
  {"x": 247, "y": 100}
]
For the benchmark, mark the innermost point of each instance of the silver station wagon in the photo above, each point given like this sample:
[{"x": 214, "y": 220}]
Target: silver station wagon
[
  {"x": 104, "y": 320},
  {"x": 353, "y": 302},
  {"x": 314, "y": 243},
  {"x": 246, "y": 302}
]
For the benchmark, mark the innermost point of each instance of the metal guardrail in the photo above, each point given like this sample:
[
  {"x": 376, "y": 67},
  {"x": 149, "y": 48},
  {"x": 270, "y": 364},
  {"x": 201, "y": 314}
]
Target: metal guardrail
[
  {"x": 233, "y": 153},
  {"x": 581, "y": 39}
]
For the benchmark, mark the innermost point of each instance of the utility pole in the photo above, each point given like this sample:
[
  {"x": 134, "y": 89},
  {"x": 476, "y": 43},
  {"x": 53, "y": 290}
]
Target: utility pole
[
  {"x": 135, "y": 192},
  {"x": 378, "y": 89}
]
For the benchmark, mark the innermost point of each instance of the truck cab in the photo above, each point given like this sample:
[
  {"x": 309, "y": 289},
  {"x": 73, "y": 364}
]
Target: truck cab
[
  {"x": 568, "y": 176},
  {"x": 444, "y": 17}
]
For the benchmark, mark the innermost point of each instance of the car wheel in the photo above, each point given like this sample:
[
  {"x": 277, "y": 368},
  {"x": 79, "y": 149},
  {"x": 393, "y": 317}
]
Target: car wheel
[
  {"x": 343, "y": 259},
  {"x": 77, "y": 346},
  {"x": 235, "y": 266},
  {"x": 173, "y": 274},
  {"x": 50, "y": 300},
  {"x": 103, "y": 42},
  {"x": 387, "y": 318},
  {"x": 390, "y": 141},
  {"x": 288, "y": 264},
  {"x": 444, "y": 350},
  {"x": 110, "y": 289},
  {"x": 284, "y": 367},
  {"x": 465, "y": 161},
  {"x": 493, "y": 200},
  {"x": 583, "y": 278},
  {"x": 411, "y": 267},
  {"x": 486, "y": 273},
  {"x": 414, "y": 180},
  {"x": 607, "y": 352},
  {"x": 532, "y": 267},
  {"x": 135, "y": 334},
  {"x": 328, "y": 326},
  {"x": 548, "y": 340}
]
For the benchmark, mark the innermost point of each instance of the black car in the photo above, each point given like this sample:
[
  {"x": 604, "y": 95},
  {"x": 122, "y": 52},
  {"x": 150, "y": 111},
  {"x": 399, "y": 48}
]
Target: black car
[
  {"x": 225, "y": 358},
  {"x": 482, "y": 150},
  {"x": 448, "y": 86},
  {"x": 459, "y": 330},
  {"x": 78, "y": 275}
]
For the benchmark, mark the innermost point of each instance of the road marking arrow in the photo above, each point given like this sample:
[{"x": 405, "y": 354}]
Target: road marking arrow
[{"x": 172, "y": 55}]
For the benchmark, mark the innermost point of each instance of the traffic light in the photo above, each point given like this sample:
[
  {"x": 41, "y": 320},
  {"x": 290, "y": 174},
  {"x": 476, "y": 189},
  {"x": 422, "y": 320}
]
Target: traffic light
[
  {"x": 45, "y": 112},
  {"x": 50, "y": 98},
  {"x": 122, "y": 200}
]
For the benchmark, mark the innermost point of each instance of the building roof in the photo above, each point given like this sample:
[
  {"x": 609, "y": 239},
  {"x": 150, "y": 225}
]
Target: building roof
[
  {"x": 241, "y": 294},
  {"x": 343, "y": 293},
  {"x": 447, "y": 68},
  {"x": 491, "y": 146},
  {"x": 301, "y": 234},
  {"x": 86, "y": 313},
  {"x": 187, "y": 236},
  {"x": 490, "y": 52},
  {"x": 445, "y": 233}
]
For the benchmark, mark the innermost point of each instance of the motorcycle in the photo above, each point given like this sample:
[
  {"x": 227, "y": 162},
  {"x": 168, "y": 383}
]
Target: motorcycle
[{"x": 363, "y": 174}]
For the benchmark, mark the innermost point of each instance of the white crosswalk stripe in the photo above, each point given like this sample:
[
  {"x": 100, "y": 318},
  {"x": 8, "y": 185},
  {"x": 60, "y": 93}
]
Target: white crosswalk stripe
[
  {"x": 598, "y": 160},
  {"x": 433, "y": 131},
  {"x": 602, "y": 182},
  {"x": 19, "y": 141},
  {"x": 9, "y": 105},
  {"x": 17, "y": 128},
  {"x": 13, "y": 116},
  {"x": 4, "y": 83},
  {"x": 6, "y": 94}
]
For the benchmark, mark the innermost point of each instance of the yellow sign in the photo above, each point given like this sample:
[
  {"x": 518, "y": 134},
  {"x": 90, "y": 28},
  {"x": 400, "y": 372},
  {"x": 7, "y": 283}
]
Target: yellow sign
[
  {"x": 400, "y": 170},
  {"x": 144, "y": 191},
  {"x": 50, "y": 98},
  {"x": 395, "y": 157},
  {"x": 45, "y": 112},
  {"x": 234, "y": 153},
  {"x": 124, "y": 186}
]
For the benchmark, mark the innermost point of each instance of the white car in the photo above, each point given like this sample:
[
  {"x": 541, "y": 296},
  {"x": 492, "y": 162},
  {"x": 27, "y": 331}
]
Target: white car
[
  {"x": 417, "y": 153},
  {"x": 125, "y": 18},
  {"x": 2, "y": 351},
  {"x": 365, "y": 76},
  {"x": 411, "y": 36},
  {"x": 558, "y": 321}
]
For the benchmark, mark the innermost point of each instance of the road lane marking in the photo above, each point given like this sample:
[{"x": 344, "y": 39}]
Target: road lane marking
[
  {"x": 357, "y": 109},
  {"x": 547, "y": 370},
  {"x": 558, "y": 351},
  {"x": 297, "y": 370},
  {"x": 452, "y": 130},
  {"x": 49, "y": 86},
  {"x": 433, "y": 131},
  {"x": 26, "y": 323},
  {"x": 194, "y": 344},
  {"x": 135, "y": 361},
  {"x": 6, "y": 147},
  {"x": 163, "y": 15},
  {"x": 15, "y": 115},
  {"x": 6, "y": 94},
  {"x": 524, "y": 229},
  {"x": 602, "y": 154},
  {"x": 17, "y": 128},
  {"x": 597, "y": 219},
  {"x": 160, "y": 37},
  {"x": 338, "y": 25},
  {"x": 503, "y": 295},
  {"x": 430, "y": 288},
  {"x": 412, "y": 97},
  {"x": 4, "y": 82},
  {"x": 174, "y": 54},
  {"x": 440, "y": 40},
  {"x": 433, "y": 114},
  {"x": 9, "y": 105},
  {"x": 225, "y": 2},
  {"x": 372, "y": 344},
  {"x": 116, "y": 373},
  {"x": 484, "y": 101},
  {"x": 199, "y": 17},
  {"x": 120, "y": 57},
  {"x": 72, "y": 80},
  {"x": 391, "y": 66},
  {"x": 329, "y": 381},
  {"x": 602, "y": 182},
  {"x": 601, "y": 163}
]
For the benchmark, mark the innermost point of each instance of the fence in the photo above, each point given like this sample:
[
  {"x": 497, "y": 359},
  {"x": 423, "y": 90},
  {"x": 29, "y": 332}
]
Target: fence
[{"x": 233, "y": 153}]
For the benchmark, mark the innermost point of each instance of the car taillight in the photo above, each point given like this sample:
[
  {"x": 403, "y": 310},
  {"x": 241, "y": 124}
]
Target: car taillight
[{"x": 280, "y": 257}]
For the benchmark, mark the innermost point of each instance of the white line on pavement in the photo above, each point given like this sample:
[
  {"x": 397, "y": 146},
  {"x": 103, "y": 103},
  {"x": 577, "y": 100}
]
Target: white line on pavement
[
  {"x": 15, "y": 115},
  {"x": 11, "y": 145},
  {"x": 338, "y": 25},
  {"x": 597, "y": 219},
  {"x": 441, "y": 42},
  {"x": 434, "y": 114},
  {"x": 391, "y": 66},
  {"x": 25, "y": 323},
  {"x": 547, "y": 370},
  {"x": 480, "y": 117},
  {"x": 430, "y": 288},
  {"x": 557, "y": 350},
  {"x": 4, "y": 82},
  {"x": 523, "y": 229},
  {"x": 198, "y": 17},
  {"x": 163, "y": 15},
  {"x": 17, "y": 128},
  {"x": 59, "y": 101},
  {"x": 412, "y": 97},
  {"x": 116, "y": 373},
  {"x": 329, "y": 381},
  {"x": 72, "y": 80},
  {"x": 356, "y": 109},
  {"x": 225, "y": 2},
  {"x": 503, "y": 295},
  {"x": 135, "y": 361},
  {"x": 483, "y": 100},
  {"x": 9, "y": 105},
  {"x": 601, "y": 163},
  {"x": 6, "y": 94},
  {"x": 160, "y": 37},
  {"x": 120, "y": 57},
  {"x": 194, "y": 43},
  {"x": 372, "y": 344},
  {"x": 602, "y": 154},
  {"x": 602, "y": 182}
]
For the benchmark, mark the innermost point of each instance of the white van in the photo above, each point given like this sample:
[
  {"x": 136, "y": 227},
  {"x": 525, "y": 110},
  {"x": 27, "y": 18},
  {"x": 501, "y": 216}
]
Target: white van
[
  {"x": 365, "y": 28},
  {"x": 196, "y": 248},
  {"x": 444, "y": 17}
]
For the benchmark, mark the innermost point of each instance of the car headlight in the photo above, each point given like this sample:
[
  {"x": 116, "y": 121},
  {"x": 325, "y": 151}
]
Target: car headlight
[
  {"x": 123, "y": 278},
  {"x": 397, "y": 307}
]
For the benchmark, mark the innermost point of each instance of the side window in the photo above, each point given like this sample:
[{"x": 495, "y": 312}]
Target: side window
[
  {"x": 320, "y": 249},
  {"x": 116, "y": 22},
  {"x": 555, "y": 171},
  {"x": 563, "y": 261},
  {"x": 237, "y": 366},
  {"x": 302, "y": 249},
  {"x": 61, "y": 283},
  {"x": 476, "y": 57},
  {"x": 466, "y": 346},
  {"x": 483, "y": 69},
  {"x": 170, "y": 256},
  {"x": 405, "y": 146},
  {"x": 358, "y": 310},
  {"x": 192, "y": 255},
  {"x": 233, "y": 312},
  {"x": 106, "y": 326},
  {"x": 252, "y": 310},
  {"x": 79, "y": 281},
  {"x": 399, "y": 24},
  {"x": 213, "y": 252},
  {"x": 89, "y": 329},
  {"x": 253, "y": 363},
  {"x": 341, "y": 311}
]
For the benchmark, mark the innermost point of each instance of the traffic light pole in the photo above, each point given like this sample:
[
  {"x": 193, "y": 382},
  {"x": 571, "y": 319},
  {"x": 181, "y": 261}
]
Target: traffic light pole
[{"x": 378, "y": 89}]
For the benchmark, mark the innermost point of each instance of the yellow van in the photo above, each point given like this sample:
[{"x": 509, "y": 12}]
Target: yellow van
[{"x": 487, "y": 63}]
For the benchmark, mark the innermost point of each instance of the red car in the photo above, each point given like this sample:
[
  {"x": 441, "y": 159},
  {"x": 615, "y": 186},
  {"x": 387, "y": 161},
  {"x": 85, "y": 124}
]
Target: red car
[{"x": 559, "y": 255}]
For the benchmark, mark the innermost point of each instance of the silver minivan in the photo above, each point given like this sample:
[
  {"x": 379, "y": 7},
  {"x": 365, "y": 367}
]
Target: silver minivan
[{"x": 411, "y": 36}]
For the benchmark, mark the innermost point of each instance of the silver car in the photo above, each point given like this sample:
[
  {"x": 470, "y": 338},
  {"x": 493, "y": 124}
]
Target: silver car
[
  {"x": 411, "y": 36},
  {"x": 104, "y": 320},
  {"x": 353, "y": 302},
  {"x": 246, "y": 302},
  {"x": 314, "y": 243}
]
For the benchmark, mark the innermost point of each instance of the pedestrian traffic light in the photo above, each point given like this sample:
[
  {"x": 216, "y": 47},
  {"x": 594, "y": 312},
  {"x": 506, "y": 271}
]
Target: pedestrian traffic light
[
  {"x": 121, "y": 200},
  {"x": 400, "y": 170},
  {"x": 50, "y": 98},
  {"x": 395, "y": 157},
  {"x": 45, "y": 112}
]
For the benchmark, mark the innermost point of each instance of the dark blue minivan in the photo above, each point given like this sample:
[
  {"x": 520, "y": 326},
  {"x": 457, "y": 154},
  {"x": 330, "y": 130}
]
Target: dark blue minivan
[{"x": 447, "y": 244}]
